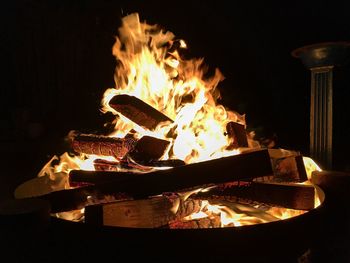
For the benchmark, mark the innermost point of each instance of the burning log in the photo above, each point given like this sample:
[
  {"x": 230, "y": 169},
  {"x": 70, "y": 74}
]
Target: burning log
[
  {"x": 99, "y": 165},
  {"x": 237, "y": 167},
  {"x": 289, "y": 169},
  {"x": 138, "y": 111},
  {"x": 288, "y": 166},
  {"x": 237, "y": 132},
  {"x": 287, "y": 195},
  {"x": 102, "y": 145},
  {"x": 148, "y": 148},
  {"x": 147, "y": 213}
]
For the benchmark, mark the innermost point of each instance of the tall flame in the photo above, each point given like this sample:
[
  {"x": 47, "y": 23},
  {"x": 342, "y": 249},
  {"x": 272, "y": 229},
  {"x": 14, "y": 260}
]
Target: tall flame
[{"x": 150, "y": 68}]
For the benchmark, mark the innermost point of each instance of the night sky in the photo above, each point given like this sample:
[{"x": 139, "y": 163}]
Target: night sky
[{"x": 57, "y": 62}]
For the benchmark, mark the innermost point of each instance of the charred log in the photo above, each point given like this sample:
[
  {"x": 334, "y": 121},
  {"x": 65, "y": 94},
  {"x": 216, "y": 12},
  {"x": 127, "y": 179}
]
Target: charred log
[
  {"x": 139, "y": 186},
  {"x": 102, "y": 145},
  {"x": 237, "y": 133},
  {"x": 138, "y": 111},
  {"x": 148, "y": 149}
]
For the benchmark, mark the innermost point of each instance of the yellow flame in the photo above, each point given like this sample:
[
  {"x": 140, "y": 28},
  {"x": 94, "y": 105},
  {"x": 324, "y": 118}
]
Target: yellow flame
[
  {"x": 153, "y": 71},
  {"x": 310, "y": 166},
  {"x": 150, "y": 67}
]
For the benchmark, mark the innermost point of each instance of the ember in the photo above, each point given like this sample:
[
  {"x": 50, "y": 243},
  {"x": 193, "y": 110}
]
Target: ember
[{"x": 176, "y": 158}]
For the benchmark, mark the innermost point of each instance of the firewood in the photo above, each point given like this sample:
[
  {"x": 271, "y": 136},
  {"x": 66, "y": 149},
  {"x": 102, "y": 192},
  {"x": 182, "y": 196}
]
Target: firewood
[
  {"x": 287, "y": 195},
  {"x": 288, "y": 166},
  {"x": 290, "y": 169},
  {"x": 138, "y": 111},
  {"x": 102, "y": 145},
  {"x": 139, "y": 186},
  {"x": 147, "y": 213},
  {"x": 104, "y": 165},
  {"x": 237, "y": 133},
  {"x": 148, "y": 149}
]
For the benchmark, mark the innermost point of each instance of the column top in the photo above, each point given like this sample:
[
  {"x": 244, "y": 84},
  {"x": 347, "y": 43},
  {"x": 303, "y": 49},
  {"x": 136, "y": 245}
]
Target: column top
[{"x": 324, "y": 54}]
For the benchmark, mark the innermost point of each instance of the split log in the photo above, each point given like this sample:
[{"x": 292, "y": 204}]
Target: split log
[
  {"x": 147, "y": 213},
  {"x": 139, "y": 186},
  {"x": 102, "y": 165},
  {"x": 237, "y": 133},
  {"x": 145, "y": 149},
  {"x": 148, "y": 148},
  {"x": 102, "y": 145},
  {"x": 288, "y": 166},
  {"x": 289, "y": 169},
  {"x": 138, "y": 111},
  {"x": 287, "y": 195}
]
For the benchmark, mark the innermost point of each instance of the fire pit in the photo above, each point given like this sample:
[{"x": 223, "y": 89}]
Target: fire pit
[{"x": 173, "y": 162}]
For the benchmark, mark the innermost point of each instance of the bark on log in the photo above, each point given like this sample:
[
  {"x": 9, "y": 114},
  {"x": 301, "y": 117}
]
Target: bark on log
[
  {"x": 287, "y": 195},
  {"x": 232, "y": 168},
  {"x": 102, "y": 145},
  {"x": 147, "y": 213},
  {"x": 237, "y": 132},
  {"x": 145, "y": 149},
  {"x": 138, "y": 111}
]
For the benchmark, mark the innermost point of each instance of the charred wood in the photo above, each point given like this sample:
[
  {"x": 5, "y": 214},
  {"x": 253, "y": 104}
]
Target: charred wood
[
  {"x": 138, "y": 111},
  {"x": 237, "y": 133},
  {"x": 102, "y": 145},
  {"x": 148, "y": 149},
  {"x": 139, "y": 186}
]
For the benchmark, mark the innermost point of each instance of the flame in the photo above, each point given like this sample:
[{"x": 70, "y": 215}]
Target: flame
[
  {"x": 310, "y": 166},
  {"x": 150, "y": 68}
]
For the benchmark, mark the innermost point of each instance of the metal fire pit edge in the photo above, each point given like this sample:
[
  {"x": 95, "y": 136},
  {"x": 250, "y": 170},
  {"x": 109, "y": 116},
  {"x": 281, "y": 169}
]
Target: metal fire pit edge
[{"x": 271, "y": 242}]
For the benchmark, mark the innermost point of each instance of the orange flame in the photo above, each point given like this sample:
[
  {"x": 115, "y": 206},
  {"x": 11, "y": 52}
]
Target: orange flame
[{"x": 151, "y": 69}]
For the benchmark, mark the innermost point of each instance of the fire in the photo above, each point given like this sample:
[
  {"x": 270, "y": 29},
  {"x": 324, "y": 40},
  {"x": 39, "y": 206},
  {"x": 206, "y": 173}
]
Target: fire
[{"x": 150, "y": 68}]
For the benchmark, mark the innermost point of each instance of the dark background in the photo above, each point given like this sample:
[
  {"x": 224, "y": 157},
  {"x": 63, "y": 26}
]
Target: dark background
[{"x": 57, "y": 62}]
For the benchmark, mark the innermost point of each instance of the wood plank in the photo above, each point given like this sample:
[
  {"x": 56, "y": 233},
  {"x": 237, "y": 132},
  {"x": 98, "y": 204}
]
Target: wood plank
[
  {"x": 138, "y": 111},
  {"x": 148, "y": 149},
  {"x": 139, "y": 186},
  {"x": 237, "y": 133},
  {"x": 146, "y": 213}
]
